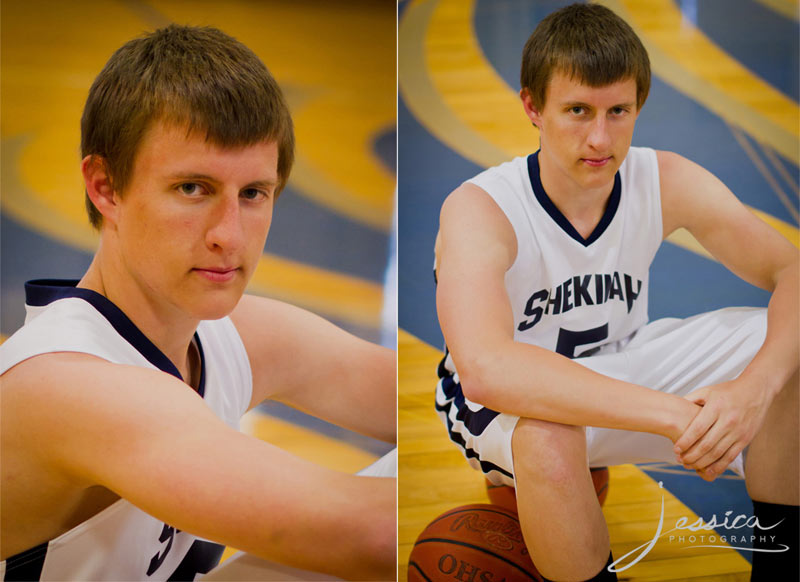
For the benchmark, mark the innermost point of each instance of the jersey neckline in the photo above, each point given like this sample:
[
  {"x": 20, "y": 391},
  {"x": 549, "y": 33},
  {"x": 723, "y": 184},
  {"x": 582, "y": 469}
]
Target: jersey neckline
[
  {"x": 561, "y": 220},
  {"x": 42, "y": 292}
]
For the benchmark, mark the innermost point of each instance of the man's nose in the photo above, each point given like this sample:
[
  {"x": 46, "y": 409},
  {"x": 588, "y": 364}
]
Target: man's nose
[
  {"x": 599, "y": 138},
  {"x": 225, "y": 223}
]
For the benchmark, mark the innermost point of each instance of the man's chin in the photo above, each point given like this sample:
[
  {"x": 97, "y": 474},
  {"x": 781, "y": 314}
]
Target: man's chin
[
  {"x": 217, "y": 305},
  {"x": 593, "y": 177}
]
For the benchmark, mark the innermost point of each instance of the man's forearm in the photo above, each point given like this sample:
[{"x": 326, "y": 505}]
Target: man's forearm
[
  {"x": 532, "y": 382},
  {"x": 779, "y": 356}
]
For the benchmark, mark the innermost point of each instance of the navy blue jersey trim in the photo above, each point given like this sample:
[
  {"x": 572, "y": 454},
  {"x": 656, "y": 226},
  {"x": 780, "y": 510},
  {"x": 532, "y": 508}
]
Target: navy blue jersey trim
[
  {"x": 201, "y": 558},
  {"x": 442, "y": 370},
  {"x": 486, "y": 466},
  {"x": 475, "y": 422},
  {"x": 41, "y": 292},
  {"x": 201, "y": 385},
  {"x": 26, "y": 565},
  {"x": 559, "y": 218}
]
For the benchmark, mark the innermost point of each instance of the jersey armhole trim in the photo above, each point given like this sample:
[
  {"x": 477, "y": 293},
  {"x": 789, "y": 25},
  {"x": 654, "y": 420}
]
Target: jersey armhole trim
[
  {"x": 26, "y": 565},
  {"x": 508, "y": 222},
  {"x": 42, "y": 292},
  {"x": 656, "y": 176}
]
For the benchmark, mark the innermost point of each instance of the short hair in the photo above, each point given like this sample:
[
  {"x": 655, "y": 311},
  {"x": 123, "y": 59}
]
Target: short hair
[
  {"x": 197, "y": 77},
  {"x": 589, "y": 43}
]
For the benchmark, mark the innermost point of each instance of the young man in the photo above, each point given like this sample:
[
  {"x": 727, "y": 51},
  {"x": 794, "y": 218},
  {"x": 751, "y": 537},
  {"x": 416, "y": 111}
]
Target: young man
[
  {"x": 123, "y": 391},
  {"x": 545, "y": 258}
]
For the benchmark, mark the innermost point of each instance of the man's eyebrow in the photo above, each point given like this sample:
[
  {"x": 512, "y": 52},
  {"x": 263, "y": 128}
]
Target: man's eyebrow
[
  {"x": 569, "y": 104},
  {"x": 263, "y": 183},
  {"x": 191, "y": 176}
]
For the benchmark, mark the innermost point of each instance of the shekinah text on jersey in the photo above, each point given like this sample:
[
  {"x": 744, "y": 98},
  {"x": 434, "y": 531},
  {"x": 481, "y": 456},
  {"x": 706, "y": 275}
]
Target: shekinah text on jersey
[{"x": 578, "y": 291}]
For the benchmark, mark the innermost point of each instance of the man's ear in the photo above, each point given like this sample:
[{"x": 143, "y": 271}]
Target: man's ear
[
  {"x": 99, "y": 187},
  {"x": 530, "y": 109}
]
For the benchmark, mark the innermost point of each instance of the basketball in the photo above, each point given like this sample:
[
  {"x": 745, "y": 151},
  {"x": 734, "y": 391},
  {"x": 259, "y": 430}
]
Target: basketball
[
  {"x": 600, "y": 480},
  {"x": 502, "y": 495},
  {"x": 505, "y": 496},
  {"x": 473, "y": 542}
]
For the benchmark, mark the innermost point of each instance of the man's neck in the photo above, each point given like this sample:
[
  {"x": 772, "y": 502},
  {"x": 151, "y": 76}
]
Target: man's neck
[
  {"x": 169, "y": 330},
  {"x": 583, "y": 207}
]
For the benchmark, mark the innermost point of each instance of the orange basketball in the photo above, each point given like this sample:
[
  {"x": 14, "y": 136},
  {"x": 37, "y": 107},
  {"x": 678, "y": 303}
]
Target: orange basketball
[
  {"x": 502, "y": 495},
  {"x": 505, "y": 496},
  {"x": 481, "y": 542},
  {"x": 600, "y": 480}
]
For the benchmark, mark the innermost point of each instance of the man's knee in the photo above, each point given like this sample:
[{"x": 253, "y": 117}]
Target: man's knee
[{"x": 548, "y": 452}]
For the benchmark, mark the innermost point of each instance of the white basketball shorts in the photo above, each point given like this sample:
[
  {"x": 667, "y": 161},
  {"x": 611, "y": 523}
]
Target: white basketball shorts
[{"x": 676, "y": 356}]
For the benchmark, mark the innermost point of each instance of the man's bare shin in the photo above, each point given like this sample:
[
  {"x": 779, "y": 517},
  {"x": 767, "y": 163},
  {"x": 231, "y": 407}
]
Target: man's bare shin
[{"x": 562, "y": 523}]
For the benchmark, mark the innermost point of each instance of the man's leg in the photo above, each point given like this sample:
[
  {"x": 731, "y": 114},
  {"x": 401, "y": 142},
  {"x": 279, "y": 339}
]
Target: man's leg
[
  {"x": 561, "y": 520},
  {"x": 771, "y": 464},
  {"x": 772, "y": 474}
]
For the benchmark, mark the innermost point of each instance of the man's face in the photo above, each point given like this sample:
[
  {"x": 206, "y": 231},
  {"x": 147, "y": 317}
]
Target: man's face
[
  {"x": 193, "y": 220},
  {"x": 585, "y": 131}
]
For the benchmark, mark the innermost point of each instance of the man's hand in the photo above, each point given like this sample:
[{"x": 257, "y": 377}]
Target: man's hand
[{"x": 731, "y": 415}]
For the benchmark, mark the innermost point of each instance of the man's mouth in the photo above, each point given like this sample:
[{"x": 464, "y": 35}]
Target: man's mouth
[
  {"x": 217, "y": 274},
  {"x": 596, "y": 162}
]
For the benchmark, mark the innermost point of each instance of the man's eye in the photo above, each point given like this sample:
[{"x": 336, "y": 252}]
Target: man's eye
[
  {"x": 190, "y": 188},
  {"x": 253, "y": 193},
  {"x": 576, "y": 110}
]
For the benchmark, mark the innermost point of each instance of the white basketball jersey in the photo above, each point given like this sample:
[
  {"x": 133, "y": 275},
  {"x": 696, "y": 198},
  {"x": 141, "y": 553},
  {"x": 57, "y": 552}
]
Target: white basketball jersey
[
  {"x": 122, "y": 542},
  {"x": 570, "y": 294}
]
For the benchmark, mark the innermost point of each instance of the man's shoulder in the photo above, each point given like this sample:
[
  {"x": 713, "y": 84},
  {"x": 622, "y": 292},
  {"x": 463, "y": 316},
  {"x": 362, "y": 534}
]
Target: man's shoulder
[
  {"x": 513, "y": 169},
  {"x": 679, "y": 177},
  {"x": 262, "y": 322},
  {"x": 669, "y": 161},
  {"x": 52, "y": 376},
  {"x": 490, "y": 228},
  {"x": 266, "y": 325},
  {"x": 258, "y": 307},
  {"x": 66, "y": 325}
]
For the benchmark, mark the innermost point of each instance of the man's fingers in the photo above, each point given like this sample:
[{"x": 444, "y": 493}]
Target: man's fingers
[
  {"x": 711, "y": 449},
  {"x": 696, "y": 429},
  {"x": 698, "y": 396},
  {"x": 710, "y": 471},
  {"x": 719, "y": 467},
  {"x": 705, "y": 475}
]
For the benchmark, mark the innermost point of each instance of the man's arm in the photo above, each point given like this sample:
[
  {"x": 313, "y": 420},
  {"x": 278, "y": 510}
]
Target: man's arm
[
  {"x": 733, "y": 412},
  {"x": 306, "y": 362},
  {"x": 152, "y": 440},
  {"x": 476, "y": 247}
]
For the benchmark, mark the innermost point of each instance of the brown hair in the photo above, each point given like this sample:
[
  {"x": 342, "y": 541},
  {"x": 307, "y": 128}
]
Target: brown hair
[
  {"x": 591, "y": 44},
  {"x": 198, "y": 77}
]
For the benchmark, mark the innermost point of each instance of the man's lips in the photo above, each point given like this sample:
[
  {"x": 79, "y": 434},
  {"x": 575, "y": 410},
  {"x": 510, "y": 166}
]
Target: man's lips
[
  {"x": 217, "y": 274},
  {"x": 596, "y": 162}
]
